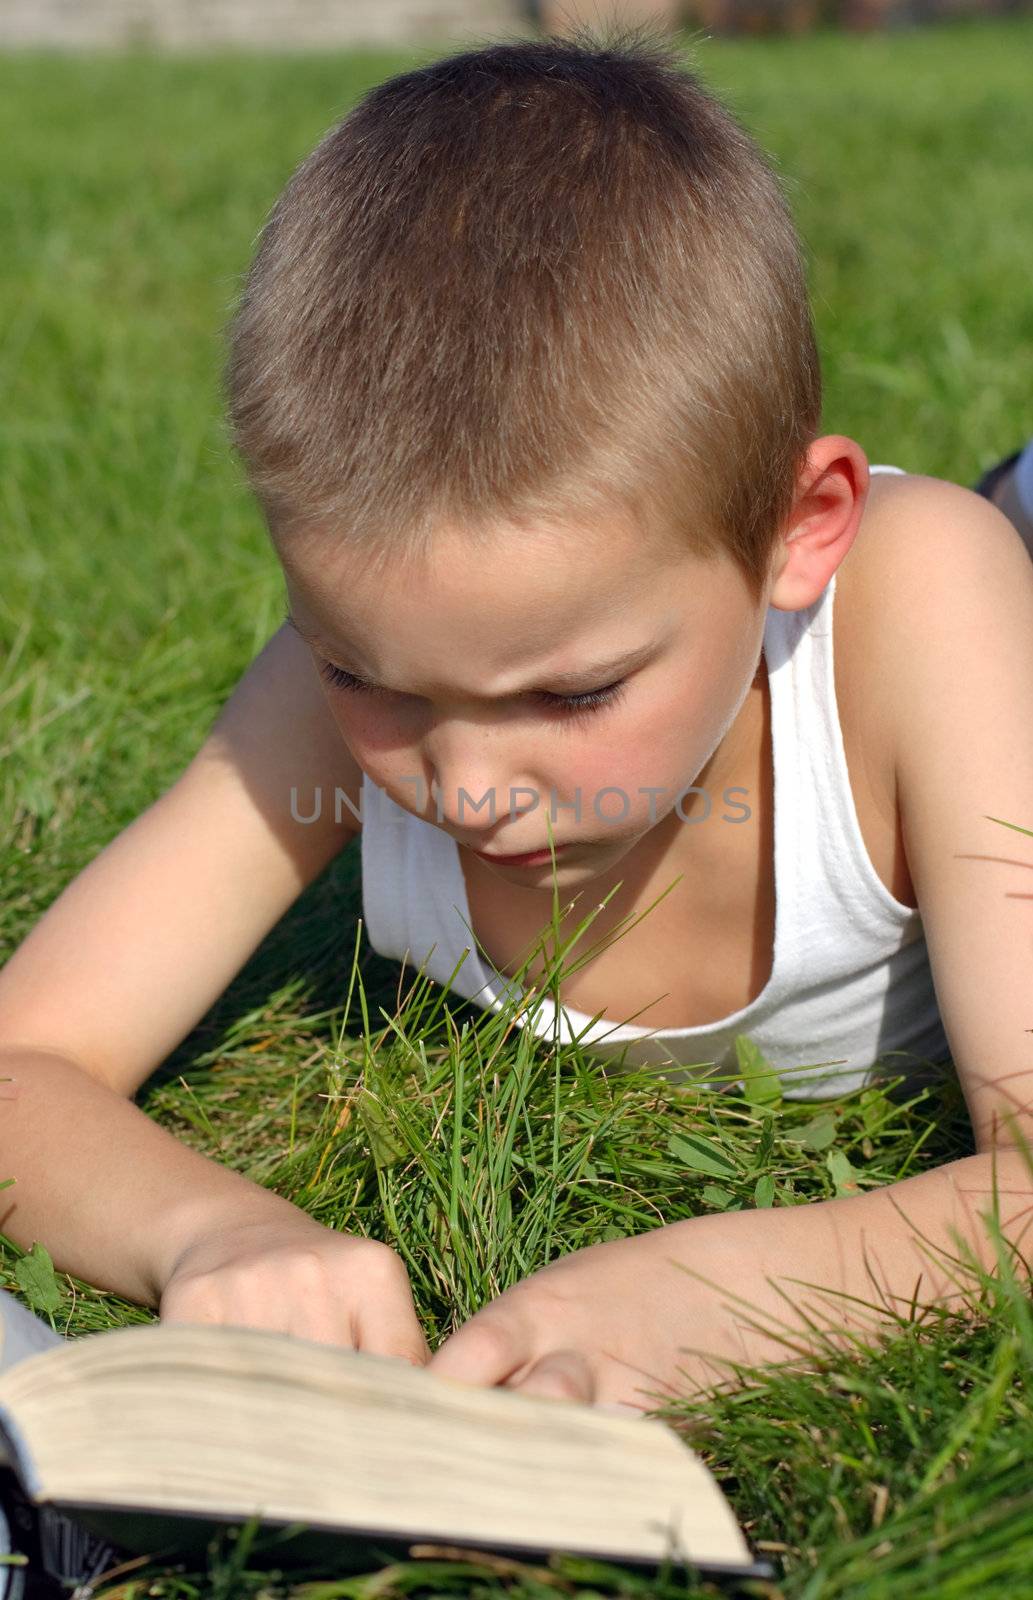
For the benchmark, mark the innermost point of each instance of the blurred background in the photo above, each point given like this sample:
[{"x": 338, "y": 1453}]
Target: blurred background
[
  {"x": 144, "y": 143},
  {"x": 306, "y": 24}
]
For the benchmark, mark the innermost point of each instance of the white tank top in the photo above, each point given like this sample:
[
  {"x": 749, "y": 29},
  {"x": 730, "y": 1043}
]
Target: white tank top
[{"x": 850, "y": 982}]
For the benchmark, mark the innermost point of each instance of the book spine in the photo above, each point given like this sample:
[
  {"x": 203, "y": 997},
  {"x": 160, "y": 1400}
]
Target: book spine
[
  {"x": 58, "y": 1552},
  {"x": 69, "y": 1553}
]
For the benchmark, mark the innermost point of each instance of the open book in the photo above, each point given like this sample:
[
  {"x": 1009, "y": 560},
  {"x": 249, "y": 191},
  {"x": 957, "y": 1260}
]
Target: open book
[{"x": 146, "y": 1438}]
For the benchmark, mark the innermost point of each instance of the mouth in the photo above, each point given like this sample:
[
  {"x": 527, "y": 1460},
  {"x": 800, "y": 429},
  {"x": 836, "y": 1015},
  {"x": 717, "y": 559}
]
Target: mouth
[{"x": 533, "y": 858}]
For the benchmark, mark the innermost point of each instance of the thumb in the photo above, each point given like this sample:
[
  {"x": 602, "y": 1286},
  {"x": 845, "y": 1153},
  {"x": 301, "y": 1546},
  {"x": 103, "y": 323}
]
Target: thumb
[
  {"x": 560, "y": 1375},
  {"x": 484, "y": 1351}
]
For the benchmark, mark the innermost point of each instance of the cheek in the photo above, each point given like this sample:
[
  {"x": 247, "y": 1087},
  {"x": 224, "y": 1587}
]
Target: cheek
[
  {"x": 662, "y": 747},
  {"x": 372, "y": 733},
  {"x": 644, "y": 750}
]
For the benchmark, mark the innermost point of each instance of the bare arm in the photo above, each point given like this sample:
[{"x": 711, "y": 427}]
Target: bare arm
[
  {"x": 129, "y": 957},
  {"x": 114, "y": 1197}
]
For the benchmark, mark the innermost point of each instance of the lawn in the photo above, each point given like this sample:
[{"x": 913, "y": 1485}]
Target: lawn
[{"x": 137, "y": 584}]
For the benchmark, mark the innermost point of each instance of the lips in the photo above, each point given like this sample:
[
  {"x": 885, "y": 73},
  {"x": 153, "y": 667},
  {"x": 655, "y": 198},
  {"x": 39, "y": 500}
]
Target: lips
[{"x": 526, "y": 855}]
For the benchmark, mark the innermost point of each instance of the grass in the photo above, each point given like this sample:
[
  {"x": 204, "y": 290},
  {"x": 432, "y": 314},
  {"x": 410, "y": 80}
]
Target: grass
[{"x": 137, "y": 586}]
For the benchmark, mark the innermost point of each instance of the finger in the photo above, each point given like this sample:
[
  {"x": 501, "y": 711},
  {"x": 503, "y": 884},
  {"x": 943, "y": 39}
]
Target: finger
[
  {"x": 415, "y": 1347},
  {"x": 398, "y": 1336},
  {"x": 389, "y": 1326},
  {"x": 404, "y": 1340},
  {"x": 619, "y": 1408},
  {"x": 417, "y": 1353},
  {"x": 559, "y": 1375},
  {"x": 484, "y": 1350}
]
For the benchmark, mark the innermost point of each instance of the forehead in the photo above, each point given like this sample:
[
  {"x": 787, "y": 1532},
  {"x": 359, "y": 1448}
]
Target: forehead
[{"x": 534, "y": 580}]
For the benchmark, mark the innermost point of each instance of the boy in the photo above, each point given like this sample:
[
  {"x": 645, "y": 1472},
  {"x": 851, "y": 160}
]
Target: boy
[{"x": 525, "y": 360}]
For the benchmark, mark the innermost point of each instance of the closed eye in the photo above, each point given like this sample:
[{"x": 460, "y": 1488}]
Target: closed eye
[{"x": 566, "y": 704}]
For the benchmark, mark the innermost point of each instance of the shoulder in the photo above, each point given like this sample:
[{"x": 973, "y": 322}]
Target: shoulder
[
  {"x": 911, "y": 504},
  {"x": 919, "y": 539},
  {"x": 919, "y": 577},
  {"x": 934, "y": 571}
]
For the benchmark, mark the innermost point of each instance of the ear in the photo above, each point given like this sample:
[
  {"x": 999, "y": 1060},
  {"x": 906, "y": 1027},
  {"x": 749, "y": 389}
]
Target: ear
[{"x": 832, "y": 490}]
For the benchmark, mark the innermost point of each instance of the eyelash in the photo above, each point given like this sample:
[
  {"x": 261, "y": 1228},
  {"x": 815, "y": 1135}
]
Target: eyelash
[{"x": 572, "y": 705}]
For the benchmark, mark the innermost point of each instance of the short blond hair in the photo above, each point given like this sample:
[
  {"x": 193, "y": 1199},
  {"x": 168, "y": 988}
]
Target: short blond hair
[{"x": 544, "y": 281}]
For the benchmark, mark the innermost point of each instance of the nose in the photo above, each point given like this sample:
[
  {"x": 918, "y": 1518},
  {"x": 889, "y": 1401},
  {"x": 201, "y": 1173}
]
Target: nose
[
  {"x": 466, "y": 805},
  {"x": 472, "y": 785}
]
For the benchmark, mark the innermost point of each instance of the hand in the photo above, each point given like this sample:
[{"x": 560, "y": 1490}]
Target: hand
[
  {"x": 606, "y": 1325},
  {"x": 295, "y": 1276}
]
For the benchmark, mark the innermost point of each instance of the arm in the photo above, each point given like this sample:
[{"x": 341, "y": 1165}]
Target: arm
[
  {"x": 956, "y": 661},
  {"x": 114, "y": 1197},
  {"x": 634, "y": 1321},
  {"x": 850, "y": 1265},
  {"x": 126, "y": 961}
]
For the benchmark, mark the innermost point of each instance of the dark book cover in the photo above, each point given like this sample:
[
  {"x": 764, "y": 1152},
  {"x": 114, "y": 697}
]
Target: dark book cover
[{"x": 66, "y": 1546}]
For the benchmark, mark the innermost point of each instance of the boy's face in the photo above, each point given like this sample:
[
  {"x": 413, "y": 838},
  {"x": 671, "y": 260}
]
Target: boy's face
[{"x": 463, "y": 656}]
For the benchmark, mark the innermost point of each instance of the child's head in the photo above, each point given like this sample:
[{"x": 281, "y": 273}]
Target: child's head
[
  {"x": 538, "y": 282},
  {"x": 524, "y": 378}
]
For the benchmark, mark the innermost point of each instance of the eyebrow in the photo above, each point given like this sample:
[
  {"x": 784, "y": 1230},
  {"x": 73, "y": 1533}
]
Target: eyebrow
[{"x": 598, "y": 675}]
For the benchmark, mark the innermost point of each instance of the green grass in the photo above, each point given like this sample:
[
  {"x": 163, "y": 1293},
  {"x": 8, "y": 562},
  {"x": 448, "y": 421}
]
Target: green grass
[{"x": 137, "y": 584}]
